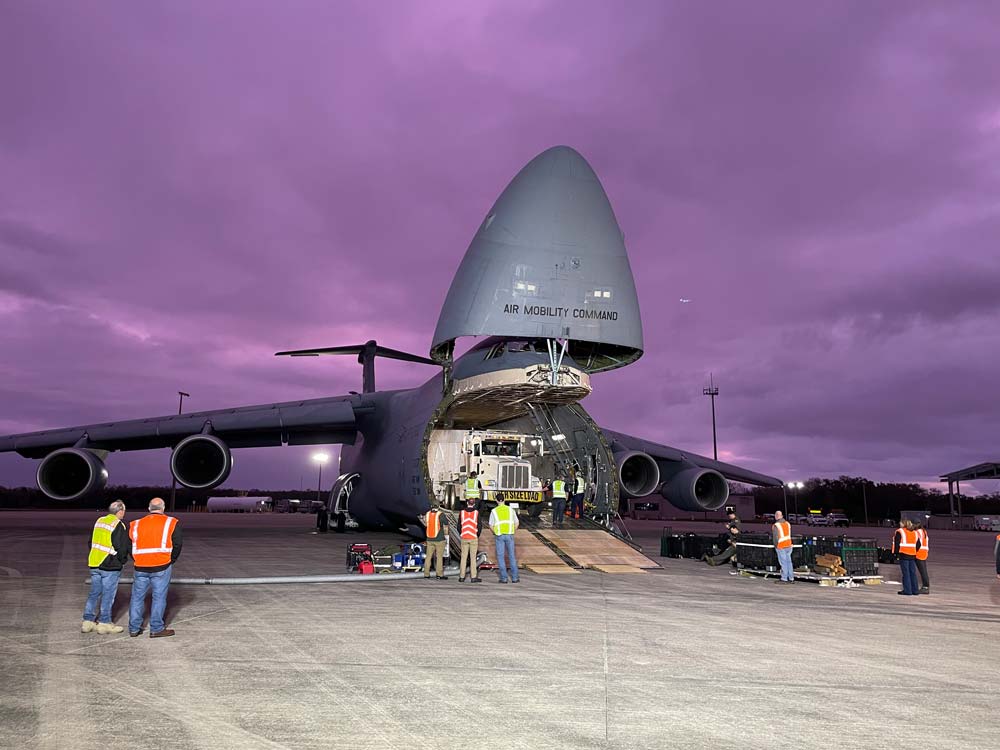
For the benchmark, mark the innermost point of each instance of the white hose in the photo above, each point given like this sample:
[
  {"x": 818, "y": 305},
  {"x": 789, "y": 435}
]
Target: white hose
[{"x": 342, "y": 578}]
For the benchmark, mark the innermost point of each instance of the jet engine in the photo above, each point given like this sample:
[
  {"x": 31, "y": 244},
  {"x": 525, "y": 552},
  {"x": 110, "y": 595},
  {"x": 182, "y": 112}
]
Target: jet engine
[
  {"x": 71, "y": 473},
  {"x": 696, "y": 489},
  {"x": 201, "y": 462},
  {"x": 637, "y": 472}
]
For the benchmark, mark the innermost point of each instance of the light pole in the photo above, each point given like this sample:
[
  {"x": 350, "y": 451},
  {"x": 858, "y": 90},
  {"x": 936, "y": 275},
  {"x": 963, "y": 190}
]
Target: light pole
[
  {"x": 173, "y": 479},
  {"x": 795, "y": 487},
  {"x": 320, "y": 458},
  {"x": 864, "y": 498},
  {"x": 712, "y": 391}
]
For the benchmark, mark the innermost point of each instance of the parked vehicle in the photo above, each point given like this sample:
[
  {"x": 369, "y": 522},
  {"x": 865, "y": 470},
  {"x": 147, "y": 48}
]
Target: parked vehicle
[
  {"x": 818, "y": 520},
  {"x": 797, "y": 518},
  {"x": 837, "y": 519}
]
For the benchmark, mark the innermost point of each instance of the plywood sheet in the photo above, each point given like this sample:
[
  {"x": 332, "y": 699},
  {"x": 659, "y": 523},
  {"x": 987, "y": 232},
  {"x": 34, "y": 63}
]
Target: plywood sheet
[
  {"x": 618, "y": 569},
  {"x": 591, "y": 548},
  {"x": 529, "y": 549},
  {"x": 560, "y": 569}
]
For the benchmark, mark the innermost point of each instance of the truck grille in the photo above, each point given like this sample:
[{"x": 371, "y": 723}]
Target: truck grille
[{"x": 514, "y": 476}]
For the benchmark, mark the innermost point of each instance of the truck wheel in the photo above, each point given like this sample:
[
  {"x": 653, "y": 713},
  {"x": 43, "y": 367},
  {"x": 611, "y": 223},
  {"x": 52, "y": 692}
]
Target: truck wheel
[{"x": 535, "y": 510}]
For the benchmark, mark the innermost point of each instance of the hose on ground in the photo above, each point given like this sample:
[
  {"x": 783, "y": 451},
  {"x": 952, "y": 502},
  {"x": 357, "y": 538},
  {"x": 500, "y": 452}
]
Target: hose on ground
[{"x": 265, "y": 580}]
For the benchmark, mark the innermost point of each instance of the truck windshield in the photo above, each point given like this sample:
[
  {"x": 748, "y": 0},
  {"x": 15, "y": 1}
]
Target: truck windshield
[{"x": 501, "y": 447}]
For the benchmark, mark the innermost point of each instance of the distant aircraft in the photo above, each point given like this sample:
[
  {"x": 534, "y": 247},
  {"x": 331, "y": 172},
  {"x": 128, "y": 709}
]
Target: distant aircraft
[
  {"x": 548, "y": 280},
  {"x": 684, "y": 300}
]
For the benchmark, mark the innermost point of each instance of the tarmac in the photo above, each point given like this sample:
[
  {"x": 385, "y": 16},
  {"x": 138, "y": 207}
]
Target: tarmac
[{"x": 685, "y": 657}]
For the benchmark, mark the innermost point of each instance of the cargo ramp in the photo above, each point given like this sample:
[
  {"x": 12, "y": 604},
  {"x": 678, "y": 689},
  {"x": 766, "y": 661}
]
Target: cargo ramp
[{"x": 580, "y": 544}]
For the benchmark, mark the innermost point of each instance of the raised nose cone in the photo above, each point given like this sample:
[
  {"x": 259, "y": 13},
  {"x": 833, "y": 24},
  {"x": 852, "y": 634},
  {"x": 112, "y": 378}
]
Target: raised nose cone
[{"x": 548, "y": 261}]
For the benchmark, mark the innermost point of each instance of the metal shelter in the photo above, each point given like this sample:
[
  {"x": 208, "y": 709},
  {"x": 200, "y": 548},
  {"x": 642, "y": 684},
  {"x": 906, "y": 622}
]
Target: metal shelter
[{"x": 988, "y": 470}]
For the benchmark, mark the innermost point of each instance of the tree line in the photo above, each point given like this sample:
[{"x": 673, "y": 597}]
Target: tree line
[{"x": 883, "y": 499}]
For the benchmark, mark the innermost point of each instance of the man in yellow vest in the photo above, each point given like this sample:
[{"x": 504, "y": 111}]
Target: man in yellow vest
[
  {"x": 109, "y": 550},
  {"x": 156, "y": 546},
  {"x": 437, "y": 532},
  {"x": 503, "y": 522},
  {"x": 578, "y": 488},
  {"x": 558, "y": 502},
  {"x": 473, "y": 489}
]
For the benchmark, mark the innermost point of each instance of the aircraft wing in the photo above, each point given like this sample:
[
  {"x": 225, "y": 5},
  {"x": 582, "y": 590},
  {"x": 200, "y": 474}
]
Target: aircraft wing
[
  {"x": 664, "y": 453},
  {"x": 313, "y": 422}
]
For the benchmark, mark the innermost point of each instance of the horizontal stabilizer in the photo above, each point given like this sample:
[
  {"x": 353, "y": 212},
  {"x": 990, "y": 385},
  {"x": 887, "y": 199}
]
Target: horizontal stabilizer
[{"x": 360, "y": 349}]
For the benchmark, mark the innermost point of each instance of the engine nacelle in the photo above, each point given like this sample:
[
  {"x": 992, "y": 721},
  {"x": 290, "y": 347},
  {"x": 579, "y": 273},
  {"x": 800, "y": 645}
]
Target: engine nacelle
[
  {"x": 638, "y": 473},
  {"x": 201, "y": 462},
  {"x": 71, "y": 473},
  {"x": 696, "y": 489}
]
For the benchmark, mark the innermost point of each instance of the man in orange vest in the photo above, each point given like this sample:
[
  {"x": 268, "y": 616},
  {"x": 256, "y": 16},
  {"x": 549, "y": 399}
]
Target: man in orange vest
[
  {"x": 437, "y": 532},
  {"x": 922, "y": 550},
  {"x": 156, "y": 545},
  {"x": 905, "y": 545},
  {"x": 781, "y": 532},
  {"x": 469, "y": 531}
]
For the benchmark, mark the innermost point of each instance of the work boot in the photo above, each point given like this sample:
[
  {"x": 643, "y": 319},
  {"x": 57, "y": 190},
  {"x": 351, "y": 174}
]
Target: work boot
[
  {"x": 165, "y": 633},
  {"x": 87, "y": 626},
  {"x": 106, "y": 628},
  {"x": 134, "y": 634},
  {"x": 442, "y": 578},
  {"x": 925, "y": 590},
  {"x": 462, "y": 579},
  {"x": 477, "y": 580}
]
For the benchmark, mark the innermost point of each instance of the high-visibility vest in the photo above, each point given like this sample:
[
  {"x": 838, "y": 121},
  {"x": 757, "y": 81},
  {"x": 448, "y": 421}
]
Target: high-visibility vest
[
  {"x": 151, "y": 540},
  {"x": 907, "y": 542},
  {"x": 470, "y": 524},
  {"x": 924, "y": 546},
  {"x": 580, "y": 485},
  {"x": 433, "y": 523},
  {"x": 100, "y": 540},
  {"x": 505, "y": 520},
  {"x": 472, "y": 489},
  {"x": 784, "y": 535},
  {"x": 559, "y": 488}
]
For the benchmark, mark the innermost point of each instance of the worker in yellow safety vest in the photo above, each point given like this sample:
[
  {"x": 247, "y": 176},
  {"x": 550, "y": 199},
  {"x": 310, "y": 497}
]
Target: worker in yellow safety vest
[
  {"x": 473, "y": 489},
  {"x": 437, "y": 532},
  {"x": 923, "y": 551},
  {"x": 558, "y": 502},
  {"x": 578, "y": 486},
  {"x": 781, "y": 533},
  {"x": 504, "y": 522},
  {"x": 109, "y": 550},
  {"x": 469, "y": 529}
]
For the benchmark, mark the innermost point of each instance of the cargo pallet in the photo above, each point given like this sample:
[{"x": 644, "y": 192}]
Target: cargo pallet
[{"x": 870, "y": 580}]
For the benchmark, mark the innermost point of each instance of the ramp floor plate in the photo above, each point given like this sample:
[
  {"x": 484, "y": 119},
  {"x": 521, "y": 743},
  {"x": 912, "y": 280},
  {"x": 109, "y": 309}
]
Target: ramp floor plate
[{"x": 593, "y": 548}]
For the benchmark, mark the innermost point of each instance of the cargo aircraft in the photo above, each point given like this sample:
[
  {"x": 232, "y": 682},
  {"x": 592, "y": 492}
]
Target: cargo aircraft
[{"x": 547, "y": 287}]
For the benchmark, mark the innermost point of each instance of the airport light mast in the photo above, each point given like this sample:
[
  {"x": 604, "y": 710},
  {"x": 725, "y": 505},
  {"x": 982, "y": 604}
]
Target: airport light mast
[
  {"x": 320, "y": 458},
  {"x": 712, "y": 391},
  {"x": 173, "y": 479},
  {"x": 795, "y": 487}
]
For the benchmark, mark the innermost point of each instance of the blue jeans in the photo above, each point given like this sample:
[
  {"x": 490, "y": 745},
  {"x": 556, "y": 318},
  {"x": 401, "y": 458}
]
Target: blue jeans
[
  {"x": 505, "y": 547},
  {"x": 576, "y": 506},
  {"x": 908, "y": 569},
  {"x": 103, "y": 586},
  {"x": 785, "y": 560},
  {"x": 141, "y": 584}
]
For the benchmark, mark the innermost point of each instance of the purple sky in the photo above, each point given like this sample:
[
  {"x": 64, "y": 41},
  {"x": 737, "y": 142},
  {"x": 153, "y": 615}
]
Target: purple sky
[{"x": 188, "y": 187}]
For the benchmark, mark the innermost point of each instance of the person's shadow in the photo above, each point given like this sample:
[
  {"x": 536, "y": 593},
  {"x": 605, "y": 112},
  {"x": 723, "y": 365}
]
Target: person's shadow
[{"x": 178, "y": 597}]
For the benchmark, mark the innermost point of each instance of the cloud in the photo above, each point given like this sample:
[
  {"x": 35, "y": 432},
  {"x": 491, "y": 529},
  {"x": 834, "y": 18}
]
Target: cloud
[{"x": 187, "y": 188}]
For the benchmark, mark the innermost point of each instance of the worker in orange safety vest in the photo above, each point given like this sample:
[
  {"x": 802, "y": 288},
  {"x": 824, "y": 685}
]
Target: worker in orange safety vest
[
  {"x": 781, "y": 533},
  {"x": 905, "y": 544},
  {"x": 156, "y": 545},
  {"x": 921, "y": 561},
  {"x": 437, "y": 533},
  {"x": 469, "y": 529}
]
